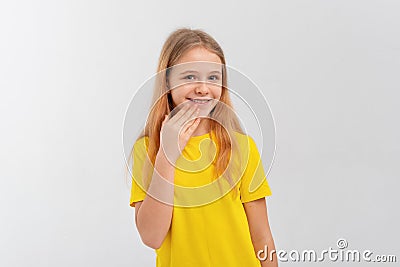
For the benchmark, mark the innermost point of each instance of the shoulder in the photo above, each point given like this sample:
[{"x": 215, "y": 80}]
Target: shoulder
[
  {"x": 141, "y": 145},
  {"x": 141, "y": 142}
]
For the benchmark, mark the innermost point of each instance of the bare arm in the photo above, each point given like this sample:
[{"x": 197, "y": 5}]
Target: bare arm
[
  {"x": 261, "y": 236},
  {"x": 153, "y": 217}
]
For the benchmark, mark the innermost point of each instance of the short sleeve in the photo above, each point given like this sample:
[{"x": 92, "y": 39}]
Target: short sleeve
[
  {"x": 139, "y": 157},
  {"x": 254, "y": 184}
]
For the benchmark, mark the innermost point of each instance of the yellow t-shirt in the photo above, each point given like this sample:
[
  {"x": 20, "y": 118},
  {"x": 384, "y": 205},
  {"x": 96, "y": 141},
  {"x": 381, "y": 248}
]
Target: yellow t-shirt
[{"x": 206, "y": 231}]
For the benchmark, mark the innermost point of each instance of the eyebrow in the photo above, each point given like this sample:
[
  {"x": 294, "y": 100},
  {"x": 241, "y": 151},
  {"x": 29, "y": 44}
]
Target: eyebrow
[{"x": 193, "y": 71}]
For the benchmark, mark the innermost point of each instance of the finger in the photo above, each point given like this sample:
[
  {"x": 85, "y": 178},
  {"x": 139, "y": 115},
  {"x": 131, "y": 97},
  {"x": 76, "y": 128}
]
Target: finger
[
  {"x": 190, "y": 129},
  {"x": 183, "y": 109},
  {"x": 187, "y": 125},
  {"x": 191, "y": 113}
]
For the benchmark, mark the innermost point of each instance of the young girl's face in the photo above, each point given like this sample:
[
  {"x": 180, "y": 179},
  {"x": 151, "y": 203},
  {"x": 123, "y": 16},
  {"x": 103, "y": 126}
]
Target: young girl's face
[{"x": 196, "y": 79}]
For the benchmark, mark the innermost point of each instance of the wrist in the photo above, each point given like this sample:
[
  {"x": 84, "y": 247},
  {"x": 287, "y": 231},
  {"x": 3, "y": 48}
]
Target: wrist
[{"x": 164, "y": 158}]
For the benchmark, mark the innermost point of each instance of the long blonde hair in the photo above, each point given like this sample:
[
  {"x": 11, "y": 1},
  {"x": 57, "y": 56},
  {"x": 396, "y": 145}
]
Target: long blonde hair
[{"x": 178, "y": 42}]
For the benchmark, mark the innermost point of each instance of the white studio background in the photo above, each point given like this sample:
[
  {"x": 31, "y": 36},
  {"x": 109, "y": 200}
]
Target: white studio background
[{"x": 68, "y": 69}]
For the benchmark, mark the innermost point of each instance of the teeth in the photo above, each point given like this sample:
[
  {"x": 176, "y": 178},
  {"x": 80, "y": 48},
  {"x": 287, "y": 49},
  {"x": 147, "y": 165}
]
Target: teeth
[{"x": 199, "y": 101}]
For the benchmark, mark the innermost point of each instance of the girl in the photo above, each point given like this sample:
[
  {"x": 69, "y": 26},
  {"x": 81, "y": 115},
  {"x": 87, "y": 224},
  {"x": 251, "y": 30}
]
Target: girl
[{"x": 198, "y": 205}]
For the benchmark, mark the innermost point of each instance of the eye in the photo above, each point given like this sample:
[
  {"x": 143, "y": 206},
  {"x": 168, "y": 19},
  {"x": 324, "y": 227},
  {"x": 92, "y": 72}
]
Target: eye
[
  {"x": 214, "y": 77},
  {"x": 189, "y": 77}
]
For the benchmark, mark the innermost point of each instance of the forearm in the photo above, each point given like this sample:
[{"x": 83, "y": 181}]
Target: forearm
[
  {"x": 268, "y": 257},
  {"x": 154, "y": 216}
]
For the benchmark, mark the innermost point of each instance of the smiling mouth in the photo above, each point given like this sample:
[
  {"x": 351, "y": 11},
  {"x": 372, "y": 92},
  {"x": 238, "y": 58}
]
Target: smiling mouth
[{"x": 199, "y": 101}]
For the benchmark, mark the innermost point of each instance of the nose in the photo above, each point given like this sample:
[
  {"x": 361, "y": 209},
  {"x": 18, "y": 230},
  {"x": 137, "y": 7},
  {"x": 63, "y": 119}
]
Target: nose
[{"x": 202, "y": 88}]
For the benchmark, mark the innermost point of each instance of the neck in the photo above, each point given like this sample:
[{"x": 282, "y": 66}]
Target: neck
[{"x": 203, "y": 128}]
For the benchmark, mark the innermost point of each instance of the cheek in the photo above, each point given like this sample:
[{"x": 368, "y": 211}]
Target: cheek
[
  {"x": 220, "y": 94},
  {"x": 217, "y": 92},
  {"x": 178, "y": 94}
]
